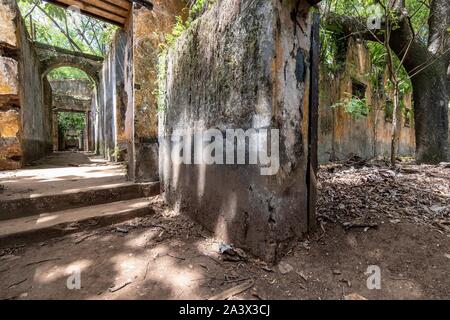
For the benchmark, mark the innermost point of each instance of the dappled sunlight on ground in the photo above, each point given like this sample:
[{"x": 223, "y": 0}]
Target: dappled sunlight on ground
[{"x": 165, "y": 255}]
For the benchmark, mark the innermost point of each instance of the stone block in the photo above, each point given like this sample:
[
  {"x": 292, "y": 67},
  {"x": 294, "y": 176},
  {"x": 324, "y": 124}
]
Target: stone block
[
  {"x": 8, "y": 76},
  {"x": 8, "y": 14},
  {"x": 9, "y": 124}
]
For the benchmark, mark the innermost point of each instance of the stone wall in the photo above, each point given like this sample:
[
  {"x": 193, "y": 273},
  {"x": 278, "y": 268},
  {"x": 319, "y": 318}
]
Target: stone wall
[
  {"x": 243, "y": 64},
  {"x": 110, "y": 108},
  {"x": 10, "y": 124},
  {"x": 128, "y": 95},
  {"x": 341, "y": 134},
  {"x": 148, "y": 30},
  {"x": 25, "y": 98},
  {"x": 81, "y": 88},
  {"x": 124, "y": 108}
]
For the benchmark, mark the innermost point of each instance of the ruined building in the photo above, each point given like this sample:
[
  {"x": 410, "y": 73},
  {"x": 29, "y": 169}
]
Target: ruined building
[
  {"x": 241, "y": 65},
  {"x": 368, "y": 133}
]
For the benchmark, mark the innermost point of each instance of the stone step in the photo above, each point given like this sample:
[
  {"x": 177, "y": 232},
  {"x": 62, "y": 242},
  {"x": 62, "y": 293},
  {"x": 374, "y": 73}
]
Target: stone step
[
  {"x": 54, "y": 224},
  {"x": 24, "y": 207}
]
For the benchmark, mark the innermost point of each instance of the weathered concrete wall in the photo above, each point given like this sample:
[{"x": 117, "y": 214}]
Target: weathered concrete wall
[
  {"x": 25, "y": 97},
  {"x": 36, "y": 102},
  {"x": 124, "y": 108},
  {"x": 72, "y": 95},
  {"x": 148, "y": 29},
  {"x": 70, "y": 103},
  {"x": 80, "y": 88},
  {"x": 342, "y": 134},
  {"x": 111, "y": 107},
  {"x": 128, "y": 96},
  {"x": 243, "y": 64}
]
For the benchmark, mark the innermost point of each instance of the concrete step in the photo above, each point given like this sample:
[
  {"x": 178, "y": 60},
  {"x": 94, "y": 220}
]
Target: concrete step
[
  {"x": 24, "y": 207},
  {"x": 53, "y": 224}
]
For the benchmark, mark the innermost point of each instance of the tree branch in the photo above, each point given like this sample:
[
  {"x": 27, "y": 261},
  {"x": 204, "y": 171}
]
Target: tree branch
[{"x": 60, "y": 28}]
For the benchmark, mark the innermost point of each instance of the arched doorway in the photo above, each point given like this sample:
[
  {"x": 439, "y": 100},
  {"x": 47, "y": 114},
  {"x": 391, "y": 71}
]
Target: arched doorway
[{"x": 72, "y": 96}]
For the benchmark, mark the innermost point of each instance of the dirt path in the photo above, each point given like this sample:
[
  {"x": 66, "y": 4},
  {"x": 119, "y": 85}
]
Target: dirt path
[{"x": 167, "y": 256}]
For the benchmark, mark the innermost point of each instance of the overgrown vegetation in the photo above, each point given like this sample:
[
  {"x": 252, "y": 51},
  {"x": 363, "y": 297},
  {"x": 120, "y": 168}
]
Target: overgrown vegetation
[
  {"x": 53, "y": 25},
  {"x": 71, "y": 121},
  {"x": 353, "y": 105},
  {"x": 409, "y": 45},
  {"x": 67, "y": 73}
]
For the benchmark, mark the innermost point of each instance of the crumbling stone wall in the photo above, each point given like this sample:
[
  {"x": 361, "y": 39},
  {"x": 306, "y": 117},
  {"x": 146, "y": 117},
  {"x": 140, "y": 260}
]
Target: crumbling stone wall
[
  {"x": 10, "y": 148},
  {"x": 149, "y": 28},
  {"x": 243, "y": 64},
  {"x": 25, "y": 98},
  {"x": 341, "y": 134}
]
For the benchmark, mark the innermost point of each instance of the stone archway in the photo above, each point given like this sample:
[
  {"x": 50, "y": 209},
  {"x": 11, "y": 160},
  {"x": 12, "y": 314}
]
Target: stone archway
[{"x": 53, "y": 57}]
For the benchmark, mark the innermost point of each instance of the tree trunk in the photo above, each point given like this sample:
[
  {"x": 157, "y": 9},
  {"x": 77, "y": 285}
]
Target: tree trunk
[
  {"x": 395, "y": 125},
  {"x": 431, "y": 97}
]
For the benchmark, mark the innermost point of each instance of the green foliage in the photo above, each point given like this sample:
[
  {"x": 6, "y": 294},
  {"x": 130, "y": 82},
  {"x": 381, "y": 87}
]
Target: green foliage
[
  {"x": 332, "y": 42},
  {"x": 67, "y": 73},
  {"x": 353, "y": 105},
  {"x": 378, "y": 56},
  {"x": 67, "y": 29},
  {"x": 196, "y": 9},
  {"x": 333, "y": 51},
  {"x": 177, "y": 30},
  {"x": 71, "y": 121},
  {"x": 418, "y": 11}
]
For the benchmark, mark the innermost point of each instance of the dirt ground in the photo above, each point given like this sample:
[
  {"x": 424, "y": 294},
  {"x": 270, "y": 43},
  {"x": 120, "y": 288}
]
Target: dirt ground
[{"x": 368, "y": 215}]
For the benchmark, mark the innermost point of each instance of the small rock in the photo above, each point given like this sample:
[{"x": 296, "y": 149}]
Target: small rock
[
  {"x": 437, "y": 209},
  {"x": 23, "y": 295},
  {"x": 284, "y": 267},
  {"x": 337, "y": 272},
  {"x": 122, "y": 230},
  {"x": 226, "y": 248}
]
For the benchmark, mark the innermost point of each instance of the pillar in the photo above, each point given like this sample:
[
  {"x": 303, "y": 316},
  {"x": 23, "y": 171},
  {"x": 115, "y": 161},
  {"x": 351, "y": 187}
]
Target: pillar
[
  {"x": 148, "y": 27},
  {"x": 243, "y": 68}
]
